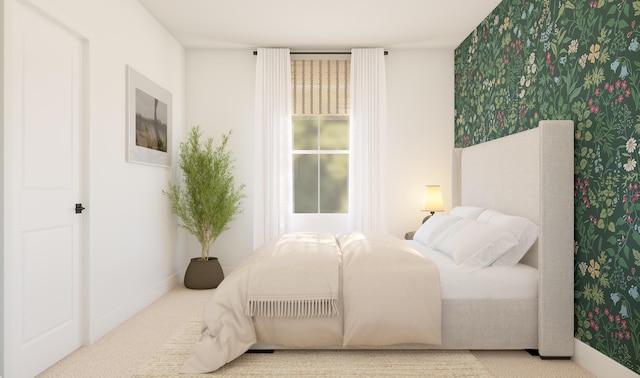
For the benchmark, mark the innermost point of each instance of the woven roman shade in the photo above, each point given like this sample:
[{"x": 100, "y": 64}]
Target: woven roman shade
[{"x": 320, "y": 86}]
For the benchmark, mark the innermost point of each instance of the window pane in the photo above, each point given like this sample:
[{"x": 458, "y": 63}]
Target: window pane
[
  {"x": 305, "y": 183},
  {"x": 334, "y": 183},
  {"x": 334, "y": 133},
  {"x": 305, "y": 133}
]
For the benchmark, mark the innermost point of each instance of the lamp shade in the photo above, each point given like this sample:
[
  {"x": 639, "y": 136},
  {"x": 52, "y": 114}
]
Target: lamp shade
[{"x": 432, "y": 199}]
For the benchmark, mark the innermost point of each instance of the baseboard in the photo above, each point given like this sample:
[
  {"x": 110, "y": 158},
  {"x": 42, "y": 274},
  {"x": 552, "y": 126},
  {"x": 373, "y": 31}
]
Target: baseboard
[
  {"x": 103, "y": 325},
  {"x": 599, "y": 364},
  {"x": 227, "y": 270}
]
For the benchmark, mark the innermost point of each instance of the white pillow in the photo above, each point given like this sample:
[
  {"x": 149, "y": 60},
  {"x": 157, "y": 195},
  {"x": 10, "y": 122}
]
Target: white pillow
[
  {"x": 524, "y": 230},
  {"x": 430, "y": 229},
  {"x": 467, "y": 211},
  {"x": 474, "y": 244}
]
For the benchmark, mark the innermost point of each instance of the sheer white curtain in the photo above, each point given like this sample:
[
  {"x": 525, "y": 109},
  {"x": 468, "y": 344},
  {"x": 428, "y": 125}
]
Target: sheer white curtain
[
  {"x": 273, "y": 145},
  {"x": 367, "y": 130}
]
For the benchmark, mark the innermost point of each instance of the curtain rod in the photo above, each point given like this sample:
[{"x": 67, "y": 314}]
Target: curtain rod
[{"x": 319, "y": 52}]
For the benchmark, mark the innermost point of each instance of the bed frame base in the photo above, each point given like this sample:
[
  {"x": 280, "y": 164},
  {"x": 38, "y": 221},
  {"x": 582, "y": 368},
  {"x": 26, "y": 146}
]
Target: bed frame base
[
  {"x": 536, "y": 353},
  {"x": 533, "y": 352},
  {"x": 530, "y": 174}
]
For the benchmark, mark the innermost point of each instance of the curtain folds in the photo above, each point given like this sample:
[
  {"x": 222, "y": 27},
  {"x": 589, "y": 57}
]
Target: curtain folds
[
  {"x": 273, "y": 202},
  {"x": 368, "y": 124}
]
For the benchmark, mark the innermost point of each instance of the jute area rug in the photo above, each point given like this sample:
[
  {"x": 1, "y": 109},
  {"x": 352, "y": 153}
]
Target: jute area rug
[{"x": 316, "y": 363}]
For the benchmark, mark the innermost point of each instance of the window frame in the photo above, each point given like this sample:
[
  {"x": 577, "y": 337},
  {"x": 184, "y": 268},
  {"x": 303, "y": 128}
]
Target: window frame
[{"x": 318, "y": 152}]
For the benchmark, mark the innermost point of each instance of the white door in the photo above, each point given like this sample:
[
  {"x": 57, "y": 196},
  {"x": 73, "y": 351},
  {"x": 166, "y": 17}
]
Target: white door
[{"x": 45, "y": 114}]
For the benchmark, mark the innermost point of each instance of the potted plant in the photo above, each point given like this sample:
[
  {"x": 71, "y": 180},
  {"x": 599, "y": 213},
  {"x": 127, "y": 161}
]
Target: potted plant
[{"x": 205, "y": 201}]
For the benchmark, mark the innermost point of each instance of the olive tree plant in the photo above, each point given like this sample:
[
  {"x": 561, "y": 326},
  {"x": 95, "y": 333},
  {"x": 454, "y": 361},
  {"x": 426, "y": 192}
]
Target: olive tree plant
[{"x": 206, "y": 199}]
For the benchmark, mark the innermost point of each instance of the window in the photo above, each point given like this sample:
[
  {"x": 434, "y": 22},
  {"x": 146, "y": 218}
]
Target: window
[
  {"x": 320, "y": 164},
  {"x": 320, "y": 95}
]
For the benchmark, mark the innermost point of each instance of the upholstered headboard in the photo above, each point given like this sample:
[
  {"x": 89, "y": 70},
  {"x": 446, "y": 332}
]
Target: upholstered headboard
[{"x": 530, "y": 174}]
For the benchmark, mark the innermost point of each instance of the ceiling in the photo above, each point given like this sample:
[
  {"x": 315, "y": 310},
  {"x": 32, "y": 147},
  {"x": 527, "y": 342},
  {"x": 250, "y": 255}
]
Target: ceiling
[{"x": 319, "y": 25}]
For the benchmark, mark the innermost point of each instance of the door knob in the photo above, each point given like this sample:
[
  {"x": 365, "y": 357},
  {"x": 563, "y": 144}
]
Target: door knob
[{"x": 79, "y": 208}]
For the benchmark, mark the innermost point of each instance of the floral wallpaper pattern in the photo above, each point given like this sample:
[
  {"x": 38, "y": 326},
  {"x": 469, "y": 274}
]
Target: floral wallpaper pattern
[{"x": 579, "y": 60}]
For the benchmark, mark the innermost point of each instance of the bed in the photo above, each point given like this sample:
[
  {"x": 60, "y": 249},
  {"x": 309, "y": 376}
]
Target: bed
[{"x": 529, "y": 305}]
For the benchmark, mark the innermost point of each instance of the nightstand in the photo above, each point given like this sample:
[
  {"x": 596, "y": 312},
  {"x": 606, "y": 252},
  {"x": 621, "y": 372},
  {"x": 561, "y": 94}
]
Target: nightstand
[{"x": 409, "y": 235}]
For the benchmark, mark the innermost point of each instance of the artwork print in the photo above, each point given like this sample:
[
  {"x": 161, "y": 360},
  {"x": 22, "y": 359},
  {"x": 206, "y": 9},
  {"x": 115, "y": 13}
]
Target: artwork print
[{"x": 149, "y": 121}]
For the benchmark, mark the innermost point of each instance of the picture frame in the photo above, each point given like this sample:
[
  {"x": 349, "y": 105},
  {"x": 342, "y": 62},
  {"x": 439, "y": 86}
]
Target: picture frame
[{"x": 149, "y": 121}]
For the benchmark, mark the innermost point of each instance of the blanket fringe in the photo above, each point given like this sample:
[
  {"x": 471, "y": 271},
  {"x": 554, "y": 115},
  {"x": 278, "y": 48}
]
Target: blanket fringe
[{"x": 302, "y": 308}]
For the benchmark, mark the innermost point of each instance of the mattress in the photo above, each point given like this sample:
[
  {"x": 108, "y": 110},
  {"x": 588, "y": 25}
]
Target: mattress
[{"x": 493, "y": 282}]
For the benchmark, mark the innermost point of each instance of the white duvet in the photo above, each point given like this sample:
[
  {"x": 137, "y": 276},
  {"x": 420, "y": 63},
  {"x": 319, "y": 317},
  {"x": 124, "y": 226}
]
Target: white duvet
[{"x": 388, "y": 294}]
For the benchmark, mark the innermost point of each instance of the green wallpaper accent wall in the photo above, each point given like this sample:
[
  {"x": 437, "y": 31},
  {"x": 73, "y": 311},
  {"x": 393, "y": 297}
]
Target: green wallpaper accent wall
[{"x": 578, "y": 60}]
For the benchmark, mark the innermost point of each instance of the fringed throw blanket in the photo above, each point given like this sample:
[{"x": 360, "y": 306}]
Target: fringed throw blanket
[
  {"x": 293, "y": 287},
  {"x": 297, "y": 277}
]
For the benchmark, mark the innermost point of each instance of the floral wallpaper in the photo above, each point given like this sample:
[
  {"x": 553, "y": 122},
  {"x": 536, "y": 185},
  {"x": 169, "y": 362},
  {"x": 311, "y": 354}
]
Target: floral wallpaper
[{"x": 579, "y": 60}]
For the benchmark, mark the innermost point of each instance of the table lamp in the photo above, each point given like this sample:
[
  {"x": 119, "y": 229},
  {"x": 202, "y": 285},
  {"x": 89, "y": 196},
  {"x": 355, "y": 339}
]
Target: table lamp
[{"x": 432, "y": 200}]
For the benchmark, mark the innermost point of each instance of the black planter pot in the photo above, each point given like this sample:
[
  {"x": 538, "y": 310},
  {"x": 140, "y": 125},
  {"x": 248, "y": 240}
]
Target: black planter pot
[{"x": 203, "y": 274}]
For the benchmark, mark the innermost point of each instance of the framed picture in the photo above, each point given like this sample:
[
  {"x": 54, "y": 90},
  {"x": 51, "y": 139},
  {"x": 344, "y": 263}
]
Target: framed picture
[{"x": 148, "y": 121}]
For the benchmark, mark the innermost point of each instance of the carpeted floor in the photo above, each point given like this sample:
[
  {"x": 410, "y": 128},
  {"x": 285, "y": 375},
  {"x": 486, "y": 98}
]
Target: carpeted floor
[
  {"x": 318, "y": 363},
  {"x": 135, "y": 346}
]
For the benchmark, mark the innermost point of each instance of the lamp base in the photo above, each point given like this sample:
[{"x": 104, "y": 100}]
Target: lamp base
[{"x": 428, "y": 216}]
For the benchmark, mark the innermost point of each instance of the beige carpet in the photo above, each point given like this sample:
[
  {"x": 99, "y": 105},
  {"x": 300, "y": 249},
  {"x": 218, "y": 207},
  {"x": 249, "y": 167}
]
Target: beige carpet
[
  {"x": 124, "y": 351},
  {"x": 318, "y": 363}
]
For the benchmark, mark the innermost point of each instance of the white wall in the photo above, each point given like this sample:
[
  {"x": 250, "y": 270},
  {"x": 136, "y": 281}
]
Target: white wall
[
  {"x": 132, "y": 252},
  {"x": 2, "y": 162},
  {"x": 220, "y": 89},
  {"x": 420, "y": 101}
]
